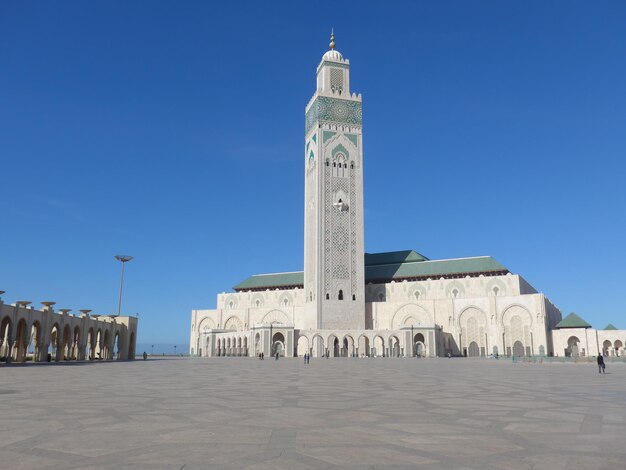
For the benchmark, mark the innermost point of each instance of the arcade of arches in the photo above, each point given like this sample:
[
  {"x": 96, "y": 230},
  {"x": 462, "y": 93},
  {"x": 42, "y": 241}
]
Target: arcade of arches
[{"x": 27, "y": 334}]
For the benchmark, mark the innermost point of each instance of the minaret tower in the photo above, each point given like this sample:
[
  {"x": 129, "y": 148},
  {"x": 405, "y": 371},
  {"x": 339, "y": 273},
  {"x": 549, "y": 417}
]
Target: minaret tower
[{"x": 333, "y": 202}]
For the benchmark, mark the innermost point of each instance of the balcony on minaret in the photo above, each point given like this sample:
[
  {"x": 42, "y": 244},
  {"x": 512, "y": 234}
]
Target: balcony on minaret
[{"x": 340, "y": 206}]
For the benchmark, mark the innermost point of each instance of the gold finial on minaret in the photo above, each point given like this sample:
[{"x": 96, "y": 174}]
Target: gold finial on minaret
[{"x": 332, "y": 39}]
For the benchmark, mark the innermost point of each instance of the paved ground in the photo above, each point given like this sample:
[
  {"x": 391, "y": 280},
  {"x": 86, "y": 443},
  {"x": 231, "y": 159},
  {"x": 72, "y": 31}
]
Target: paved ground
[{"x": 356, "y": 413}]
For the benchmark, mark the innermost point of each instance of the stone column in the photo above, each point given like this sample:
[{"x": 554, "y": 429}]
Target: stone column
[
  {"x": 432, "y": 347},
  {"x": 289, "y": 346}
]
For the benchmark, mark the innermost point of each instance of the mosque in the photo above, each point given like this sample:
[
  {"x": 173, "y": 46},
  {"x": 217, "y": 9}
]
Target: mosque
[{"x": 349, "y": 303}]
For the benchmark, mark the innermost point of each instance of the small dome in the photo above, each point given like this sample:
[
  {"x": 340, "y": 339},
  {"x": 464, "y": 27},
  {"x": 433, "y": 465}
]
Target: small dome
[{"x": 332, "y": 55}]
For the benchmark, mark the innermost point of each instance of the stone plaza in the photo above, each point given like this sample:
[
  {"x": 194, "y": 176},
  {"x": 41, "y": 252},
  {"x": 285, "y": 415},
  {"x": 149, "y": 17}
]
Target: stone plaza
[{"x": 197, "y": 413}]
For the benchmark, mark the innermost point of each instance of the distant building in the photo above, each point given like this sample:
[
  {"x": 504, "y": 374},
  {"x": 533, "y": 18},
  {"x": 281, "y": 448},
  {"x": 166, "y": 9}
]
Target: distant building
[{"x": 573, "y": 336}]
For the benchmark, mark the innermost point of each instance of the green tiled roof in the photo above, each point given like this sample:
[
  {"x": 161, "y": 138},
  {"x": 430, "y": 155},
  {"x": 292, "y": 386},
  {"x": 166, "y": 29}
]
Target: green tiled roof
[
  {"x": 393, "y": 257},
  {"x": 611, "y": 327},
  {"x": 572, "y": 321},
  {"x": 384, "y": 267},
  {"x": 259, "y": 281},
  {"x": 436, "y": 268}
]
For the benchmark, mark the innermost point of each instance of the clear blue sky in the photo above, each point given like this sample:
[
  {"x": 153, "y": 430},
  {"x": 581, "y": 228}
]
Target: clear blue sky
[{"x": 173, "y": 131}]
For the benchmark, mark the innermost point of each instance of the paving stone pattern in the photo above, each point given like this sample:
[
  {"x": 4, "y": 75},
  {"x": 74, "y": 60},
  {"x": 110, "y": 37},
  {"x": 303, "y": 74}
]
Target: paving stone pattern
[{"x": 194, "y": 413}]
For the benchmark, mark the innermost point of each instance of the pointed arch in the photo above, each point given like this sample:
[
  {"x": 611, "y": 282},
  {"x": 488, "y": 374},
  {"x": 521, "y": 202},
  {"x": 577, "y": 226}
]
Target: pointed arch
[
  {"x": 411, "y": 315},
  {"x": 207, "y": 323},
  {"x": 276, "y": 316},
  {"x": 233, "y": 323}
]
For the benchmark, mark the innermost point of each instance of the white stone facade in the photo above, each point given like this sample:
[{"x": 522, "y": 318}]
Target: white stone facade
[
  {"x": 582, "y": 342},
  {"x": 395, "y": 304},
  {"x": 454, "y": 316}
]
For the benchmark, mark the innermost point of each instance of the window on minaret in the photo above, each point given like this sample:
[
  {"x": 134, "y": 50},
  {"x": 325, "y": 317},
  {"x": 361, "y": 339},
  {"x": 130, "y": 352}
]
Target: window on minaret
[
  {"x": 340, "y": 296},
  {"x": 352, "y": 165},
  {"x": 336, "y": 80},
  {"x": 327, "y": 296},
  {"x": 353, "y": 297}
]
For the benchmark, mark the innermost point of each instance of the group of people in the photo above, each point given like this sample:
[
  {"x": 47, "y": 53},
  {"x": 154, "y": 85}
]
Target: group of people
[{"x": 307, "y": 358}]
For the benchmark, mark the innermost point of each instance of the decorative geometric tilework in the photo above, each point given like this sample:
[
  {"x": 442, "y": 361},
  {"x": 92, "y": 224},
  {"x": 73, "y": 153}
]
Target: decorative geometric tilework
[
  {"x": 353, "y": 257},
  {"x": 335, "y": 64},
  {"x": 353, "y": 138},
  {"x": 327, "y": 135},
  {"x": 326, "y": 188},
  {"x": 333, "y": 110}
]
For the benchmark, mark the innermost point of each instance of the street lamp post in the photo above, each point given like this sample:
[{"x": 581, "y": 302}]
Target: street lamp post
[
  {"x": 123, "y": 259},
  {"x": 152, "y": 350}
]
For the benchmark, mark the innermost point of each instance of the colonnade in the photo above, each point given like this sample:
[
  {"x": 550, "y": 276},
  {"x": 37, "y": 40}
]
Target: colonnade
[{"x": 28, "y": 334}]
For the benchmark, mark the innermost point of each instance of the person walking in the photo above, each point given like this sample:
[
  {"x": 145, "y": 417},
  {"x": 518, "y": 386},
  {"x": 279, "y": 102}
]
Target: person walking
[{"x": 601, "y": 365}]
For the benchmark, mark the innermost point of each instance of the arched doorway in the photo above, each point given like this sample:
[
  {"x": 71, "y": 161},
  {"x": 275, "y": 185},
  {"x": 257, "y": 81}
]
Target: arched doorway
[
  {"x": 116, "y": 345},
  {"x": 394, "y": 346},
  {"x": 419, "y": 345},
  {"x": 303, "y": 346},
  {"x": 333, "y": 346},
  {"x": 98, "y": 346},
  {"x": 5, "y": 338},
  {"x": 518, "y": 349},
  {"x": 364, "y": 346},
  {"x": 54, "y": 348},
  {"x": 89, "y": 347},
  {"x": 66, "y": 343},
  {"x": 606, "y": 347},
  {"x": 379, "y": 346},
  {"x": 618, "y": 348},
  {"x": 106, "y": 350},
  {"x": 257, "y": 344},
  {"x": 278, "y": 344},
  {"x": 348, "y": 346},
  {"x": 34, "y": 344},
  {"x": 75, "y": 344},
  {"x": 21, "y": 342},
  {"x": 572, "y": 347},
  {"x": 245, "y": 346},
  {"x": 318, "y": 346},
  {"x": 473, "y": 350}
]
